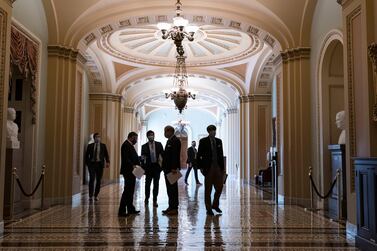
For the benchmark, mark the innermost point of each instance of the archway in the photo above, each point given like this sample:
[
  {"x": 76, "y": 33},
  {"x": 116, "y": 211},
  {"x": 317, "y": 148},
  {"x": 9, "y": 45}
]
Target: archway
[{"x": 331, "y": 100}]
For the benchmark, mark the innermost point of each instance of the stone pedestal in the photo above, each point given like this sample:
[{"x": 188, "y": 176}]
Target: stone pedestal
[
  {"x": 13, "y": 159},
  {"x": 366, "y": 203},
  {"x": 338, "y": 161}
]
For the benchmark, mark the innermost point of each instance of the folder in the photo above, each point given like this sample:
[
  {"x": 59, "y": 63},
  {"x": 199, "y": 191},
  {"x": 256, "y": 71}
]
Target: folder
[
  {"x": 173, "y": 177},
  {"x": 138, "y": 172}
]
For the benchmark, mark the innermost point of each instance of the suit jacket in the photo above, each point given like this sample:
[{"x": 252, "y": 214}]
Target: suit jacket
[
  {"x": 103, "y": 154},
  {"x": 204, "y": 155},
  {"x": 159, "y": 150},
  {"x": 129, "y": 158},
  {"x": 172, "y": 155},
  {"x": 191, "y": 158}
]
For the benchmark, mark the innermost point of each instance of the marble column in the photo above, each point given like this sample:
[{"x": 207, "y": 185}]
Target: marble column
[
  {"x": 295, "y": 125},
  {"x": 104, "y": 118},
  {"x": 5, "y": 25}
]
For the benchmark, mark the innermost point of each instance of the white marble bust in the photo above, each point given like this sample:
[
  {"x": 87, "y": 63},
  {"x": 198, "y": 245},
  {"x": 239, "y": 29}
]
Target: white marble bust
[
  {"x": 12, "y": 130},
  {"x": 340, "y": 121}
]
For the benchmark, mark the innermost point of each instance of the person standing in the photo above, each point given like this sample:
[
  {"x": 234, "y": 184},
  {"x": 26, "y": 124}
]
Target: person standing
[
  {"x": 151, "y": 152},
  {"x": 96, "y": 159},
  {"x": 211, "y": 163},
  {"x": 171, "y": 164},
  {"x": 192, "y": 163},
  {"x": 129, "y": 160}
]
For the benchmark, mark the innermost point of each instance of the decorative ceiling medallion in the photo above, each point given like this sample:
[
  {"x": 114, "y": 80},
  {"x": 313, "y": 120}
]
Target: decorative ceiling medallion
[{"x": 212, "y": 45}]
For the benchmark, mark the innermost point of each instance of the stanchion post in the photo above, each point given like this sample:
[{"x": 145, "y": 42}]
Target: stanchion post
[
  {"x": 11, "y": 207},
  {"x": 43, "y": 186},
  {"x": 338, "y": 185},
  {"x": 311, "y": 190}
]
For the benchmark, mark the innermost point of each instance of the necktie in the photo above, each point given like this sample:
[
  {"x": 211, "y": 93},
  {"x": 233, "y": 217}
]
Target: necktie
[{"x": 153, "y": 154}]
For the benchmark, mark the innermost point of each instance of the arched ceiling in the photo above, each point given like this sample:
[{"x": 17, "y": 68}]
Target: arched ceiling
[{"x": 232, "y": 53}]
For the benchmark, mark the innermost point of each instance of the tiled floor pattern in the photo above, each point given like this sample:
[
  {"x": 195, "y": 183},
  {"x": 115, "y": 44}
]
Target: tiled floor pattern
[{"x": 249, "y": 222}]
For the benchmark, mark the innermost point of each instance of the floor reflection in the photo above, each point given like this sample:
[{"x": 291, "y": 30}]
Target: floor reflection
[{"x": 249, "y": 221}]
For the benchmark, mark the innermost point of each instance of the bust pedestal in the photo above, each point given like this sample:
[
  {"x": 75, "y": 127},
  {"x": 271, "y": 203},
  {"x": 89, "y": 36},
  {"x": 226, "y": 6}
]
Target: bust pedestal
[
  {"x": 338, "y": 161},
  {"x": 12, "y": 159}
]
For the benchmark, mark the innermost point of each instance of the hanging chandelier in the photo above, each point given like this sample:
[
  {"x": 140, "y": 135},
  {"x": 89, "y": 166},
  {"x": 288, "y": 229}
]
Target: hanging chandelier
[{"x": 178, "y": 31}]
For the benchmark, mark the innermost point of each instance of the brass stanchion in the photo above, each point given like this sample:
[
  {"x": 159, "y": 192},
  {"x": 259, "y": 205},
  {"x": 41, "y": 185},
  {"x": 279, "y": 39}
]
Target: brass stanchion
[
  {"x": 11, "y": 201},
  {"x": 339, "y": 194},
  {"x": 43, "y": 186}
]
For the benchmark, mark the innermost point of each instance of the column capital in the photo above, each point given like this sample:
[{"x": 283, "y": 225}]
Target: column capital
[
  {"x": 255, "y": 98},
  {"x": 295, "y": 54},
  {"x": 372, "y": 52},
  {"x": 232, "y": 110},
  {"x": 128, "y": 109},
  {"x": 343, "y": 2},
  {"x": 11, "y": 2},
  {"x": 105, "y": 97},
  {"x": 62, "y": 51}
]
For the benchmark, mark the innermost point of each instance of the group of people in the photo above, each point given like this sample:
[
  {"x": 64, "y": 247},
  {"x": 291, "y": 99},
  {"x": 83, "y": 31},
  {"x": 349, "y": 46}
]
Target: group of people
[{"x": 154, "y": 159}]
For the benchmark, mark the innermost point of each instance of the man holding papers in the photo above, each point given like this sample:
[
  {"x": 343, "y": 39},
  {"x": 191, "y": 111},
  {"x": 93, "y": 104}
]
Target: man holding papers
[
  {"x": 211, "y": 163},
  {"x": 171, "y": 164},
  {"x": 130, "y": 160},
  {"x": 151, "y": 152}
]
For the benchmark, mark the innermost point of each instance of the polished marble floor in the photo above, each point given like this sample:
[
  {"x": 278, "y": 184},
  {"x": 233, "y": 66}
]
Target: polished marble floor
[{"x": 250, "y": 221}]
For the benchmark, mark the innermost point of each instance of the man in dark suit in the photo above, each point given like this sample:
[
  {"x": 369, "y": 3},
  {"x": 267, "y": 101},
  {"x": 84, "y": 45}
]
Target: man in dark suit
[
  {"x": 171, "y": 162},
  {"x": 150, "y": 153},
  {"x": 129, "y": 160},
  {"x": 192, "y": 163},
  {"x": 211, "y": 163},
  {"x": 96, "y": 156}
]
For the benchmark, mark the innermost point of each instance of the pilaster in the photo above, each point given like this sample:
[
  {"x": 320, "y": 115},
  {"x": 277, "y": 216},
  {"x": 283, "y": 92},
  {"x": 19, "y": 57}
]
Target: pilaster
[
  {"x": 104, "y": 118},
  {"x": 295, "y": 124}
]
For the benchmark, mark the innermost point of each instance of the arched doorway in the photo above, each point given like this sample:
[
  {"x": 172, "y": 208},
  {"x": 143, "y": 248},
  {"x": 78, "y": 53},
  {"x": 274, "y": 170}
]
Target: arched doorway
[{"x": 331, "y": 100}]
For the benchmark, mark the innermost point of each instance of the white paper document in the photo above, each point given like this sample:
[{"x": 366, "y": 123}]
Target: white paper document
[
  {"x": 173, "y": 177},
  {"x": 138, "y": 172}
]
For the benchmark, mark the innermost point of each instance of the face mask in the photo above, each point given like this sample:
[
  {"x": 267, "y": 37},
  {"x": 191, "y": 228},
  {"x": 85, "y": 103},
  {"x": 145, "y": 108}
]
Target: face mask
[
  {"x": 134, "y": 141},
  {"x": 151, "y": 138}
]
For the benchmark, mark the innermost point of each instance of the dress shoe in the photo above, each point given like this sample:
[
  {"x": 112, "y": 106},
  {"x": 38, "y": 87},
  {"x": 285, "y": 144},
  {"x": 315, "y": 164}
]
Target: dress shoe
[
  {"x": 96, "y": 199},
  {"x": 166, "y": 211},
  {"x": 217, "y": 210},
  {"x": 210, "y": 213},
  {"x": 134, "y": 212},
  {"x": 198, "y": 183},
  {"x": 186, "y": 183},
  {"x": 155, "y": 204}
]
